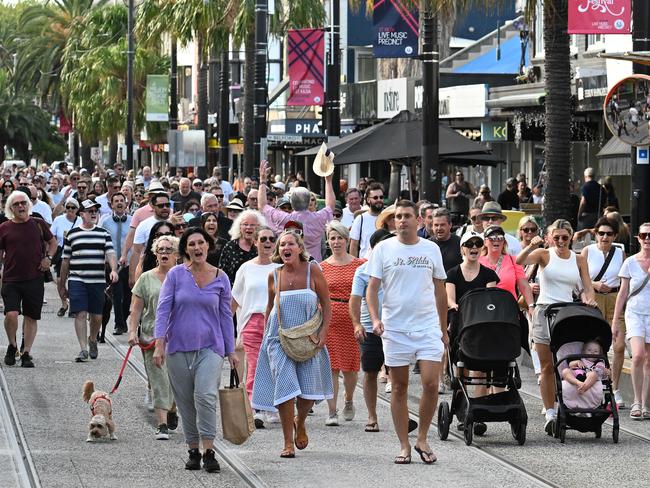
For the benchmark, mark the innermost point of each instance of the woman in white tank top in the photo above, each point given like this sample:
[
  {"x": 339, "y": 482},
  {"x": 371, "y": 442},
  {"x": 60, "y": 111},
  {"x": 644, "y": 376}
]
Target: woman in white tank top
[
  {"x": 606, "y": 287},
  {"x": 561, "y": 271}
]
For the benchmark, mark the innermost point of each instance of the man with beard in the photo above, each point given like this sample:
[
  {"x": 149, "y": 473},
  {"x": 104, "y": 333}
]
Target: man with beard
[
  {"x": 117, "y": 224},
  {"x": 364, "y": 224},
  {"x": 86, "y": 251},
  {"x": 161, "y": 212},
  {"x": 26, "y": 248},
  {"x": 448, "y": 243}
]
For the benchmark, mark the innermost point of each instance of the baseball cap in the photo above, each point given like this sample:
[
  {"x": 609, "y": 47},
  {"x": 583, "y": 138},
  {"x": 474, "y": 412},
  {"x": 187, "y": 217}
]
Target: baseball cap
[
  {"x": 89, "y": 204},
  {"x": 471, "y": 235},
  {"x": 294, "y": 224}
]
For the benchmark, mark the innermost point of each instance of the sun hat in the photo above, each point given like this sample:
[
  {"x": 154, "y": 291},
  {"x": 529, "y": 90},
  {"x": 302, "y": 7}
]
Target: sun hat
[
  {"x": 385, "y": 214},
  {"x": 324, "y": 161},
  {"x": 72, "y": 201},
  {"x": 156, "y": 187},
  {"x": 235, "y": 204},
  {"x": 279, "y": 185},
  {"x": 492, "y": 208}
]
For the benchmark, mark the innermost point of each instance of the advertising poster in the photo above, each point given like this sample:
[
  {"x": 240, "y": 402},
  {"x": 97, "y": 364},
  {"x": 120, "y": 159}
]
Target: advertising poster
[
  {"x": 396, "y": 30},
  {"x": 306, "y": 53},
  {"x": 157, "y": 101},
  {"x": 600, "y": 16}
]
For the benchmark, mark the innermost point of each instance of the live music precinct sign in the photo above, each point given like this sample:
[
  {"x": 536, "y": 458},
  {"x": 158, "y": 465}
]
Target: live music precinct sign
[
  {"x": 396, "y": 30},
  {"x": 306, "y": 50},
  {"x": 600, "y": 16}
]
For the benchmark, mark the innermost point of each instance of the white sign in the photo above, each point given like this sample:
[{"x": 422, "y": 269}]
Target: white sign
[
  {"x": 392, "y": 97},
  {"x": 465, "y": 101},
  {"x": 642, "y": 155}
]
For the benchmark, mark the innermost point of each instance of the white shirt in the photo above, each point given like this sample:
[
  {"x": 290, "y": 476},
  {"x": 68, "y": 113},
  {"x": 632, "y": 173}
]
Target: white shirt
[
  {"x": 251, "y": 290},
  {"x": 56, "y": 197},
  {"x": 362, "y": 228},
  {"x": 226, "y": 187},
  {"x": 407, "y": 272},
  {"x": 348, "y": 217},
  {"x": 44, "y": 210},
  {"x": 595, "y": 261},
  {"x": 103, "y": 201},
  {"x": 514, "y": 246},
  {"x": 61, "y": 226},
  {"x": 144, "y": 229},
  {"x": 638, "y": 303}
]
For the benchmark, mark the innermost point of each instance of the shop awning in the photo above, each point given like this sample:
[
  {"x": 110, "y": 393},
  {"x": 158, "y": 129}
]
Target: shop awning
[
  {"x": 614, "y": 158},
  {"x": 514, "y": 101},
  {"x": 640, "y": 57}
]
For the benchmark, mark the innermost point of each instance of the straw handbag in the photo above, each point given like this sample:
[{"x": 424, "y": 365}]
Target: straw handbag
[{"x": 300, "y": 343}]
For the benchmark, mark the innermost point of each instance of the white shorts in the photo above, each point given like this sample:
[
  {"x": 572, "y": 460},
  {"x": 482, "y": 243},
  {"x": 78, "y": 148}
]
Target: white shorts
[
  {"x": 401, "y": 347},
  {"x": 637, "y": 325}
]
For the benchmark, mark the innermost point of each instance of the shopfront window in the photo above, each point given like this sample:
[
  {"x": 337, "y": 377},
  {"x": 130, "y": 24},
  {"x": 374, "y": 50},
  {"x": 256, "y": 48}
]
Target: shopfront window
[{"x": 595, "y": 42}]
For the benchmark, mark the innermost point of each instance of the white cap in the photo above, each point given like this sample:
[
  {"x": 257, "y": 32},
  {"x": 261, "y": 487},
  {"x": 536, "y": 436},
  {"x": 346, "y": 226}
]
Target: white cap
[{"x": 469, "y": 235}]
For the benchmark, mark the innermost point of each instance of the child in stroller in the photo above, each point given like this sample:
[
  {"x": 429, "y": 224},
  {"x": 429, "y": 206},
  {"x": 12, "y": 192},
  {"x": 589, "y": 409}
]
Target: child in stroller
[{"x": 582, "y": 380}]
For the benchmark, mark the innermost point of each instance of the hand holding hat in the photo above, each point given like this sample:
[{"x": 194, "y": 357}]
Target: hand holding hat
[{"x": 324, "y": 161}]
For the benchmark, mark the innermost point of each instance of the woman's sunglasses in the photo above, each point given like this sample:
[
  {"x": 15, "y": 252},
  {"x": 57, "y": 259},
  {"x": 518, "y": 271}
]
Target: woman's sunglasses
[
  {"x": 602, "y": 233},
  {"x": 267, "y": 238},
  {"x": 644, "y": 235},
  {"x": 473, "y": 244},
  {"x": 561, "y": 238},
  {"x": 497, "y": 238},
  {"x": 529, "y": 230}
]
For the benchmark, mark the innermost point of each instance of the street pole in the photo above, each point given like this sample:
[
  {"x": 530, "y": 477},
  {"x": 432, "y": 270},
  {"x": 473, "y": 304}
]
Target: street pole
[
  {"x": 259, "y": 107},
  {"x": 129, "y": 87},
  {"x": 224, "y": 113},
  {"x": 333, "y": 85},
  {"x": 640, "y": 173},
  {"x": 173, "y": 87},
  {"x": 429, "y": 174}
]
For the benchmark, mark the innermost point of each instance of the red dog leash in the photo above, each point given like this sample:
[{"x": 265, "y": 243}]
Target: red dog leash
[{"x": 126, "y": 360}]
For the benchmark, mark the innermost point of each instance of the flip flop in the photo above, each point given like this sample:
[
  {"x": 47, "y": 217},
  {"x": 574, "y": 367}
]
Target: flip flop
[
  {"x": 430, "y": 456},
  {"x": 301, "y": 441},
  {"x": 62, "y": 311},
  {"x": 646, "y": 413},
  {"x": 373, "y": 427},
  {"x": 288, "y": 454},
  {"x": 636, "y": 412},
  {"x": 403, "y": 459}
]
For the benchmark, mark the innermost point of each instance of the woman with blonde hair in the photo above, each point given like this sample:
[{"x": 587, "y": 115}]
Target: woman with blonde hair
[
  {"x": 561, "y": 271},
  {"x": 343, "y": 348},
  {"x": 296, "y": 290},
  {"x": 142, "y": 319},
  {"x": 241, "y": 247}
]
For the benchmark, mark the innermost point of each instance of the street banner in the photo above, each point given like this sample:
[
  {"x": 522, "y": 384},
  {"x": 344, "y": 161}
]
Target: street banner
[
  {"x": 600, "y": 16},
  {"x": 157, "y": 98},
  {"x": 306, "y": 53},
  {"x": 396, "y": 30}
]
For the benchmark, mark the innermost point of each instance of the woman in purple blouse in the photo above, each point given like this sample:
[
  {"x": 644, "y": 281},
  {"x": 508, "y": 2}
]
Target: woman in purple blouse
[{"x": 194, "y": 333}]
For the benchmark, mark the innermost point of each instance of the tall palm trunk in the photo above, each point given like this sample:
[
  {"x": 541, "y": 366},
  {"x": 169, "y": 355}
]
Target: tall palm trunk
[
  {"x": 557, "y": 145},
  {"x": 202, "y": 109},
  {"x": 112, "y": 150},
  {"x": 249, "y": 100}
]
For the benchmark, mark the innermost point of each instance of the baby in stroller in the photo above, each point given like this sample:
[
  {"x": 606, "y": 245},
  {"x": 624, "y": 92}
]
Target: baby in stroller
[{"x": 582, "y": 380}]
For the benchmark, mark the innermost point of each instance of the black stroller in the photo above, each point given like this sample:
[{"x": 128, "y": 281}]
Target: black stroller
[
  {"x": 576, "y": 322},
  {"x": 488, "y": 340}
]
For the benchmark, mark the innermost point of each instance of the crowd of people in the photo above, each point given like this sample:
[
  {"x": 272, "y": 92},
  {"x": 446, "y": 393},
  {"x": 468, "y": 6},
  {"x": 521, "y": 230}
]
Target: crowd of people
[{"x": 199, "y": 272}]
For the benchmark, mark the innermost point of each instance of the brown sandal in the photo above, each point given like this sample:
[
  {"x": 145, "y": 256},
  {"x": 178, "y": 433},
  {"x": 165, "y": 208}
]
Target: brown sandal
[
  {"x": 300, "y": 437},
  {"x": 287, "y": 453}
]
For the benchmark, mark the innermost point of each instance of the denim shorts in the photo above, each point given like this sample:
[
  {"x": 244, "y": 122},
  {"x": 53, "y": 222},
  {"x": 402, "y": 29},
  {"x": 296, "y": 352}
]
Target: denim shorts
[{"x": 86, "y": 297}]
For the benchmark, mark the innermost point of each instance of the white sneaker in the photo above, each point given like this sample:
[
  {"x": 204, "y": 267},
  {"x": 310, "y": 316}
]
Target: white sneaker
[
  {"x": 273, "y": 417},
  {"x": 348, "y": 411},
  {"x": 389, "y": 387},
  {"x": 148, "y": 400},
  {"x": 543, "y": 411},
  {"x": 550, "y": 421},
  {"x": 333, "y": 419},
  {"x": 618, "y": 398}
]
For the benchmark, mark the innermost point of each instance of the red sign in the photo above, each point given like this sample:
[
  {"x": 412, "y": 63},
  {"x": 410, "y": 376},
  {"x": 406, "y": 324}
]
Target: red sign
[
  {"x": 600, "y": 16},
  {"x": 64, "y": 124},
  {"x": 306, "y": 49}
]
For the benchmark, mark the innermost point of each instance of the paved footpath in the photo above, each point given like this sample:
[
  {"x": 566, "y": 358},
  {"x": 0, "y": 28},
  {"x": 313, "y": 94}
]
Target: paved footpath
[{"x": 53, "y": 418}]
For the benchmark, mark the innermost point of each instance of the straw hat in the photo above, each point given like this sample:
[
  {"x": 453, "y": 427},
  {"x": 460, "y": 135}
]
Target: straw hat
[
  {"x": 324, "y": 161},
  {"x": 384, "y": 216}
]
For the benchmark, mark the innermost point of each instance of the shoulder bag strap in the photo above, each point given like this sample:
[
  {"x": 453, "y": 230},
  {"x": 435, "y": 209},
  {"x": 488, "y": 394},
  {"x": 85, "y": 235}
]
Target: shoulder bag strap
[
  {"x": 277, "y": 299},
  {"x": 641, "y": 287},
  {"x": 608, "y": 259}
]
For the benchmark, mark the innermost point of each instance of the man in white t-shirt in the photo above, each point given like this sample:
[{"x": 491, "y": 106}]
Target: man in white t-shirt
[
  {"x": 413, "y": 321},
  {"x": 364, "y": 224}
]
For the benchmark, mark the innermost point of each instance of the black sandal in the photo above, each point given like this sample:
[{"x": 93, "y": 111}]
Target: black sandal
[
  {"x": 403, "y": 459},
  {"x": 288, "y": 454},
  {"x": 62, "y": 311},
  {"x": 373, "y": 427},
  {"x": 430, "y": 456}
]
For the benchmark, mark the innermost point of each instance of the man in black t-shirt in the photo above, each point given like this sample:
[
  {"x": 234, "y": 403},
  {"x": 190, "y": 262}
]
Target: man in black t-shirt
[
  {"x": 592, "y": 201},
  {"x": 508, "y": 198},
  {"x": 448, "y": 243}
]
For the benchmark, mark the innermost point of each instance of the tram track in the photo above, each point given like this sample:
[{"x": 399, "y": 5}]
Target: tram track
[
  {"x": 25, "y": 469},
  {"x": 229, "y": 457},
  {"x": 533, "y": 477}
]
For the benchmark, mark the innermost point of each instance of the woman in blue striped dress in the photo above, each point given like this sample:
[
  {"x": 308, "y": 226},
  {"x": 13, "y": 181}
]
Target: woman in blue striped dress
[{"x": 278, "y": 379}]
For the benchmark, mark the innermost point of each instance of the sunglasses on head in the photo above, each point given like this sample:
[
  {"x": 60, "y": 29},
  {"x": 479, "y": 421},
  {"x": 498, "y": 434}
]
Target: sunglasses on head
[
  {"x": 476, "y": 243},
  {"x": 267, "y": 238},
  {"x": 644, "y": 235},
  {"x": 560, "y": 238},
  {"x": 603, "y": 233},
  {"x": 159, "y": 234},
  {"x": 294, "y": 230}
]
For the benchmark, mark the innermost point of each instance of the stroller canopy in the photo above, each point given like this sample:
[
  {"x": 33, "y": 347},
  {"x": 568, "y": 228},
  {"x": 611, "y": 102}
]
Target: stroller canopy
[
  {"x": 489, "y": 326},
  {"x": 579, "y": 323}
]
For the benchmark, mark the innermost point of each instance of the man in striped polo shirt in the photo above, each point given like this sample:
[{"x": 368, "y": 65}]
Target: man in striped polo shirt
[{"x": 86, "y": 251}]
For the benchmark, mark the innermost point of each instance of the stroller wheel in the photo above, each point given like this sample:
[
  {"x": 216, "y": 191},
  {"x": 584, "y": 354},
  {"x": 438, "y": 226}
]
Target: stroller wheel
[
  {"x": 598, "y": 432},
  {"x": 468, "y": 433},
  {"x": 519, "y": 432},
  {"x": 444, "y": 420}
]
